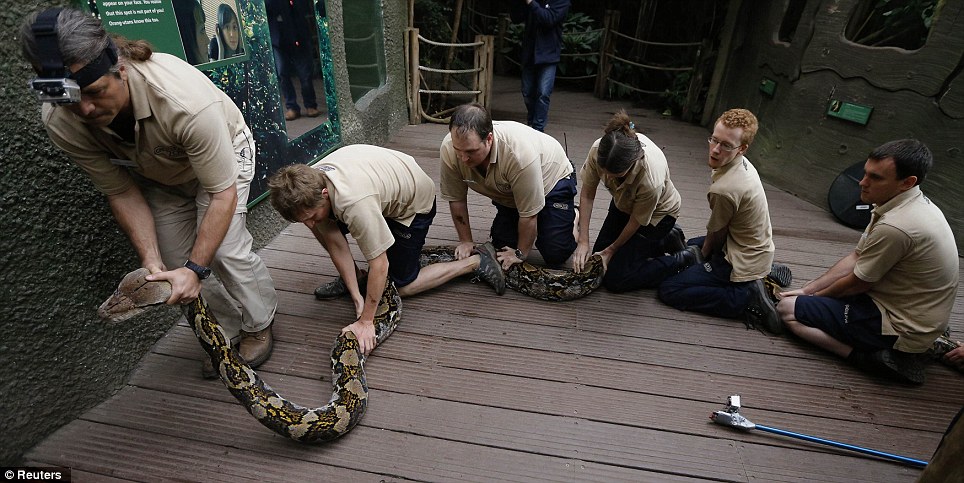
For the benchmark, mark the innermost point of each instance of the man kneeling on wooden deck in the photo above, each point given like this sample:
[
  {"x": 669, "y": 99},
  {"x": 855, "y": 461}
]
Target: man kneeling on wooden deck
[
  {"x": 387, "y": 203},
  {"x": 884, "y": 304}
]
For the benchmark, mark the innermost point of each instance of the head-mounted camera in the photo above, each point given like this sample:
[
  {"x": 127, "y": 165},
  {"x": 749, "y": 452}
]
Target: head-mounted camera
[{"x": 56, "y": 84}]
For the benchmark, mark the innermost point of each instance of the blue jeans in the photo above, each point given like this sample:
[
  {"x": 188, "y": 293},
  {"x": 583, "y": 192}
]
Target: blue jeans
[
  {"x": 296, "y": 61},
  {"x": 537, "y": 82},
  {"x": 706, "y": 288},
  {"x": 639, "y": 263},
  {"x": 554, "y": 237}
]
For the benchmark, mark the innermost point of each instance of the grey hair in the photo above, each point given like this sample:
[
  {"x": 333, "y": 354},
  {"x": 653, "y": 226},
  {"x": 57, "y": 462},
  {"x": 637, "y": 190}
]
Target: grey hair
[{"x": 80, "y": 37}]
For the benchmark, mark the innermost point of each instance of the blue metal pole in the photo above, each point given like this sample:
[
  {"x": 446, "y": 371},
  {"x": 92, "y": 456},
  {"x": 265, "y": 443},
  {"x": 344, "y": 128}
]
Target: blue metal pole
[{"x": 902, "y": 459}]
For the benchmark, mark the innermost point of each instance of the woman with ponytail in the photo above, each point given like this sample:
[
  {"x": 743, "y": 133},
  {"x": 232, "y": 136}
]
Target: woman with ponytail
[{"x": 641, "y": 224}]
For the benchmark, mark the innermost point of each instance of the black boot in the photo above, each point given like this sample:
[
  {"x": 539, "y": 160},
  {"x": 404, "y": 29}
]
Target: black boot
[
  {"x": 688, "y": 256},
  {"x": 674, "y": 241}
]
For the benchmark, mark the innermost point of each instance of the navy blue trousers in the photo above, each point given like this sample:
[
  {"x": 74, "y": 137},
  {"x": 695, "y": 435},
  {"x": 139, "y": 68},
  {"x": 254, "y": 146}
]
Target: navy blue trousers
[
  {"x": 706, "y": 288},
  {"x": 639, "y": 263},
  {"x": 554, "y": 237}
]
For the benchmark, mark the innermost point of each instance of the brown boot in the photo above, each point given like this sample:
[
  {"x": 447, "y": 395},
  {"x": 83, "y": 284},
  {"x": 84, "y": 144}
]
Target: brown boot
[{"x": 255, "y": 347}]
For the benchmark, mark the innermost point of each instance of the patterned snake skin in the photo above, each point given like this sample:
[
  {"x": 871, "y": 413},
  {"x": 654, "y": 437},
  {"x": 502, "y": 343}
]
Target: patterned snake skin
[
  {"x": 350, "y": 391},
  {"x": 536, "y": 282}
]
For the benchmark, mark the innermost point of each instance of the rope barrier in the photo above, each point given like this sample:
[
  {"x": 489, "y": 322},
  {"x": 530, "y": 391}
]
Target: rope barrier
[
  {"x": 661, "y": 44},
  {"x": 443, "y": 44}
]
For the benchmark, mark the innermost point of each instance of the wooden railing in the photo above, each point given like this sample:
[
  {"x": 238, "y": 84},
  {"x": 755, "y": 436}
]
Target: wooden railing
[{"x": 420, "y": 92}]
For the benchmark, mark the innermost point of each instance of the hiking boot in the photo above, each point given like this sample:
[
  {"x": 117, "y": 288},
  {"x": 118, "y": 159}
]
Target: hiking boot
[
  {"x": 336, "y": 288},
  {"x": 780, "y": 274},
  {"x": 890, "y": 364},
  {"x": 880, "y": 363},
  {"x": 291, "y": 115},
  {"x": 760, "y": 310},
  {"x": 255, "y": 347},
  {"x": 490, "y": 269},
  {"x": 674, "y": 241},
  {"x": 312, "y": 112},
  {"x": 910, "y": 367},
  {"x": 207, "y": 368},
  {"x": 688, "y": 256}
]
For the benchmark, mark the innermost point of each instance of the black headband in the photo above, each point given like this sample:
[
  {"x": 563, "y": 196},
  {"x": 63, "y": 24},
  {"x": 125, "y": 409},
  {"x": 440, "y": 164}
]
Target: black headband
[{"x": 96, "y": 68}]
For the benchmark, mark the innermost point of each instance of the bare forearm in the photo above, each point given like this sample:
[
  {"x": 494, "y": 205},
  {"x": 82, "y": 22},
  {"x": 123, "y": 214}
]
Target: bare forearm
[
  {"x": 377, "y": 279},
  {"x": 586, "y": 198},
  {"x": 714, "y": 242},
  {"x": 134, "y": 217},
  {"x": 840, "y": 270},
  {"x": 460, "y": 217},
  {"x": 337, "y": 246},
  {"x": 527, "y": 233}
]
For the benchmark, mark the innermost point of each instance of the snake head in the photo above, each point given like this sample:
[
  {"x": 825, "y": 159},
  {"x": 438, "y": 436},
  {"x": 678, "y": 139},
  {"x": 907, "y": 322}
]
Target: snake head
[{"x": 134, "y": 295}]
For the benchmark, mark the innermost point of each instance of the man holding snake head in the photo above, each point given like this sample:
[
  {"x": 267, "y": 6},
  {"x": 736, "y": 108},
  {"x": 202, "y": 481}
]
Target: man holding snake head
[{"x": 174, "y": 157}]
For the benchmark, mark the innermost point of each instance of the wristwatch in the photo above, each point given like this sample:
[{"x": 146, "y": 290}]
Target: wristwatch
[{"x": 201, "y": 271}]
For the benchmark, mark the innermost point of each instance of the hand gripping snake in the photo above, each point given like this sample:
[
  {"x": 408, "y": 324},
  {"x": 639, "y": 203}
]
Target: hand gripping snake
[
  {"x": 349, "y": 398},
  {"x": 536, "y": 282}
]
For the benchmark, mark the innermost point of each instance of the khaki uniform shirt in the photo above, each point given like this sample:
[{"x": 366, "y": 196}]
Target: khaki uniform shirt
[
  {"x": 525, "y": 165},
  {"x": 646, "y": 192},
  {"x": 185, "y": 131},
  {"x": 738, "y": 202},
  {"x": 369, "y": 184},
  {"x": 908, "y": 252}
]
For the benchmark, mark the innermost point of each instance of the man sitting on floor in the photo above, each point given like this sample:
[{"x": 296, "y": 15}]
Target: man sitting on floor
[
  {"x": 885, "y": 303},
  {"x": 738, "y": 245}
]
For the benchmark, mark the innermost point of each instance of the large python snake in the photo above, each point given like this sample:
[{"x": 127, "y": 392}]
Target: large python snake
[
  {"x": 536, "y": 282},
  {"x": 349, "y": 398}
]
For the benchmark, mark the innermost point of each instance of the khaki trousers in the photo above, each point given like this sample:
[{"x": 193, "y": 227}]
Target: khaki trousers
[{"x": 242, "y": 296}]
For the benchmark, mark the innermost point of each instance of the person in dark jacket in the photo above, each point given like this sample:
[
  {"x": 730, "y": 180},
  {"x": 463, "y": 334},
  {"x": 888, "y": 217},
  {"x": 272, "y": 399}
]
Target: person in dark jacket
[
  {"x": 291, "y": 40},
  {"x": 541, "y": 49}
]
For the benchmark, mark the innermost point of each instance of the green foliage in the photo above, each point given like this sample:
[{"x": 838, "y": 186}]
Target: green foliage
[{"x": 432, "y": 19}]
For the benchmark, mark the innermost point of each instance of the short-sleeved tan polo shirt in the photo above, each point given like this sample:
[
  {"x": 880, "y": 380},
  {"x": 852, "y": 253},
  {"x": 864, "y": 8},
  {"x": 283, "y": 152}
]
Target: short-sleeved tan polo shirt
[
  {"x": 646, "y": 192},
  {"x": 185, "y": 131},
  {"x": 738, "y": 202},
  {"x": 369, "y": 184},
  {"x": 909, "y": 254},
  {"x": 525, "y": 165}
]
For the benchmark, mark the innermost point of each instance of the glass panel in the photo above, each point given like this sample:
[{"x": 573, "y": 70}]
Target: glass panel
[
  {"x": 899, "y": 23},
  {"x": 791, "y": 19},
  {"x": 295, "y": 43},
  {"x": 364, "y": 46}
]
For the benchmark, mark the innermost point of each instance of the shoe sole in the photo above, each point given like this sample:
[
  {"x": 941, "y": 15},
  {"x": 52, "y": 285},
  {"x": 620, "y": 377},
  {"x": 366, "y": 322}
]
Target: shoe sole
[
  {"x": 491, "y": 253},
  {"x": 781, "y": 275}
]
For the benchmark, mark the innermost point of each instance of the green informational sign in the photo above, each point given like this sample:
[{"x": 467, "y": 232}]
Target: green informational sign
[
  {"x": 849, "y": 111},
  {"x": 151, "y": 20},
  {"x": 768, "y": 86},
  {"x": 189, "y": 29}
]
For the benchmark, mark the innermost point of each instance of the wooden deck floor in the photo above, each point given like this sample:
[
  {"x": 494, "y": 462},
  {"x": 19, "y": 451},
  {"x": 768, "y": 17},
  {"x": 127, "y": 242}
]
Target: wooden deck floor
[{"x": 475, "y": 387}]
